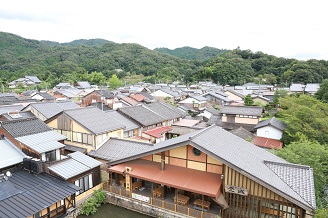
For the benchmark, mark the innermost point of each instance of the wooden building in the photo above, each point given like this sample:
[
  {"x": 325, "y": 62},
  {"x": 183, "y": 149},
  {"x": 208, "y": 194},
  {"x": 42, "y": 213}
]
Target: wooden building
[{"x": 212, "y": 172}]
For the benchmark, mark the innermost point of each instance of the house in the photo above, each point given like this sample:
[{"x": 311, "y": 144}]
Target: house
[
  {"x": 312, "y": 88},
  {"x": 234, "y": 95},
  {"x": 63, "y": 85},
  {"x": 26, "y": 81},
  {"x": 297, "y": 88},
  {"x": 169, "y": 112},
  {"x": 83, "y": 85},
  {"x": 166, "y": 95},
  {"x": 260, "y": 100},
  {"x": 241, "y": 114},
  {"x": 86, "y": 127},
  {"x": 267, "y": 143},
  {"x": 217, "y": 98},
  {"x": 14, "y": 99},
  {"x": 104, "y": 96},
  {"x": 243, "y": 133},
  {"x": 271, "y": 128},
  {"x": 197, "y": 103},
  {"x": 47, "y": 110},
  {"x": 212, "y": 172},
  {"x": 42, "y": 96},
  {"x": 131, "y": 128},
  {"x": 157, "y": 134},
  {"x": 84, "y": 171},
  {"x": 34, "y": 138}
]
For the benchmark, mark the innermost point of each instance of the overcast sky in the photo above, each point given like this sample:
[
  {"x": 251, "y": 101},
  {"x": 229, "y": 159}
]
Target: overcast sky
[{"x": 284, "y": 28}]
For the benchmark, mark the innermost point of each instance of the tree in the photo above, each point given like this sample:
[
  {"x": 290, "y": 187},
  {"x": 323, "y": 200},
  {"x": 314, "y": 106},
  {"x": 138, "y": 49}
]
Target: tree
[
  {"x": 311, "y": 153},
  {"x": 114, "y": 82},
  {"x": 248, "y": 101},
  {"x": 322, "y": 93},
  {"x": 97, "y": 78},
  {"x": 304, "y": 114}
]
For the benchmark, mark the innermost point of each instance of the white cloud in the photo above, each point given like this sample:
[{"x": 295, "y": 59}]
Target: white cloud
[{"x": 282, "y": 28}]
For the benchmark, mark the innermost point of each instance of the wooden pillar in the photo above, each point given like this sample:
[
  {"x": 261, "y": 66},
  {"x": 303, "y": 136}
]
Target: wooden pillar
[
  {"x": 152, "y": 188},
  {"x": 202, "y": 202},
  {"x": 163, "y": 160}
]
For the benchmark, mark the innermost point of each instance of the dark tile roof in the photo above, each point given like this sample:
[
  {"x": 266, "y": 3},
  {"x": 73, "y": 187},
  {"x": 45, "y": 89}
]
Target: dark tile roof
[
  {"x": 101, "y": 106},
  {"x": 232, "y": 126},
  {"x": 243, "y": 133},
  {"x": 106, "y": 93},
  {"x": 50, "y": 109},
  {"x": 94, "y": 120},
  {"x": 24, "y": 127},
  {"x": 25, "y": 194},
  {"x": 198, "y": 98},
  {"x": 115, "y": 149},
  {"x": 46, "y": 96},
  {"x": 75, "y": 148},
  {"x": 142, "y": 115},
  {"x": 168, "y": 111},
  {"x": 242, "y": 110},
  {"x": 240, "y": 155},
  {"x": 272, "y": 122},
  {"x": 16, "y": 115}
]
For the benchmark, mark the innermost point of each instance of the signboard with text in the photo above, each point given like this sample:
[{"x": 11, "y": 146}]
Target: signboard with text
[
  {"x": 141, "y": 197},
  {"x": 236, "y": 190}
]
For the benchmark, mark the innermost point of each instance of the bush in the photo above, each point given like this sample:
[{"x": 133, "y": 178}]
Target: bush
[{"x": 92, "y": 204}]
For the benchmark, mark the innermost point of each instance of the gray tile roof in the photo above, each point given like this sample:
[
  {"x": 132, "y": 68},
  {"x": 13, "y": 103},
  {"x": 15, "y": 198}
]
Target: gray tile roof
[
  {"x": 142, "y": 115},
  {"x": 17, "y": 116},
  {"x": 272, "y": 122},
  {"x": 33, "y": 78},
  {"x": 44, "y": 141},
  {"x": 198, "y": 98},
  {"x": 24, "y": 127},
  {"x": 10, "y": 108},
  {"x": 25, "y": 194},
  {"x": 243, "y": 133},
  {"x": 170, "y": 92},
  {"x": 242, "y": 110},
  {"x": 129, "y": 124},
  {"x": 105, "y": 93},
  {"x": 83, "y": 84},
  {"x": 75, "y": 148},
  {"x": 94, "y": 120},
  {"x": 168, "y": 111},
  {"x": 76, "y": 164},
  {"x": 297, "y": 177},
  {"x": 115, "y": 149},
  {"x": 236, "y": 93},
  {"x": 238, "y": 154},
  {"x": 45, "y": 95},
  {"x": 215, "y": 119},
  {"x": 50, "y": 109}
]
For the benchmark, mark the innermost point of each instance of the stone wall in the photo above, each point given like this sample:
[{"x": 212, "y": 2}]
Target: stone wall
[{"x": 141, "y": 207}]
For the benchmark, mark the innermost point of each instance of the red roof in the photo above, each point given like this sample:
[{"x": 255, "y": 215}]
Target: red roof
[
  {"x": 138, "y": 97},
  {"x": 267, "y": 143},
  {"x": 158, "y": 131},
  {"x": 130, "y": 101},
  {"x": 173, "y": 176}
]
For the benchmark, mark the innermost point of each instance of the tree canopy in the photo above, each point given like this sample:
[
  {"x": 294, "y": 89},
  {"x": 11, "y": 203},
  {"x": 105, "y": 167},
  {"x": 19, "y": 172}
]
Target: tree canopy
[{"x": 322, "y": 93}]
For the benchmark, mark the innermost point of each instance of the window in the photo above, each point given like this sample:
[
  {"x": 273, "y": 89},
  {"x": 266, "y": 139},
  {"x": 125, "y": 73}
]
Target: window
[
  {"x": 85, "y": 183},
  {"x": 51, "y": 155},
  {"x": 196, "y": 152}
]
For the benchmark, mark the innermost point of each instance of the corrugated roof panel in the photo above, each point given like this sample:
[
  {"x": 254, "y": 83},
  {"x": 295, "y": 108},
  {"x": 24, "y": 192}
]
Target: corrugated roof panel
[
  {"x": 69, "y": 168},
  {"x": 9, "y": 154}
]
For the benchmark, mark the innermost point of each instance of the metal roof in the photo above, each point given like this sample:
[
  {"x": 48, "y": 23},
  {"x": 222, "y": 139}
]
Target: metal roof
[
  {"x": 24, "y": 127},
  {"x": 50, "y": 109},
  {"x": 116, "y": 149},
  {"x": 240, "y": 155},
  {"x": 76, "y": 164},
  {"x": 272, "y": 122},
  {"x": 25, "y": 194},
  {"x": 86, "y": 160},
  {"x": 10, "y": 154},
  {"x": 43, "y": 142},
  {"x": 94, "y": 120}
]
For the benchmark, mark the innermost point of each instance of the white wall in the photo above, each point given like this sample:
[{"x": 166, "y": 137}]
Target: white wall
[
  {"x": 269, "y": 132},
  {"x": 160, "y": 93}
]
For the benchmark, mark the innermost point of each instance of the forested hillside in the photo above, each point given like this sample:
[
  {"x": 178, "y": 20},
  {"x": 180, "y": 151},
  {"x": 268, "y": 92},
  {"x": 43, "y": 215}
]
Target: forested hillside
[
  {"x": 193, "y": 53},
  {"x": 53, "y": 62}
]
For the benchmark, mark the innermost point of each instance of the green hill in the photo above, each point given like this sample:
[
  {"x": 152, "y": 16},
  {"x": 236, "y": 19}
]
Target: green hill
[
  {"x": 54, "y": 62},
  {"x": 190, "y": 53}
]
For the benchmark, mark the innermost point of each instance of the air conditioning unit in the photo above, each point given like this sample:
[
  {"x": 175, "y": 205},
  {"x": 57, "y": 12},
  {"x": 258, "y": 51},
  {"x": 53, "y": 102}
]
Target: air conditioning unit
[
  {"x": 27, "y": 163},
  {"x": 128, "y": 170}
]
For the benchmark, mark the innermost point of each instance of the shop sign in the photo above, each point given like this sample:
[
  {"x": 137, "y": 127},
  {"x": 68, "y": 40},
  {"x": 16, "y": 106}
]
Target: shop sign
[
  {"x": 236, "y": 190},
  {"x": 141, "y": 197}
]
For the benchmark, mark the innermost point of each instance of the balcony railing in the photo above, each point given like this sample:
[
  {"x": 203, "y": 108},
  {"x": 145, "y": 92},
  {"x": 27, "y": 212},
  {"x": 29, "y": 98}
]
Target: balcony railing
[{"x": 161, "y": 203}]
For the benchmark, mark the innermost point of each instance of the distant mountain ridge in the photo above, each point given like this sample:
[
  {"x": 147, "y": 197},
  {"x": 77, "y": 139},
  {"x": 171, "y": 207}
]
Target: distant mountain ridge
[
  {"x": 190, "y": 53},
  {"x": 84, "y": 42}
]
